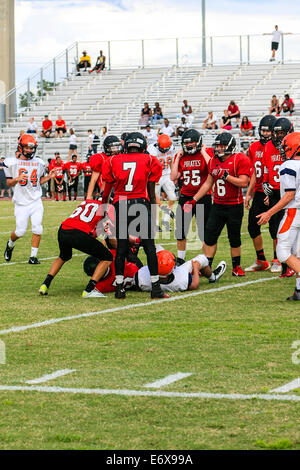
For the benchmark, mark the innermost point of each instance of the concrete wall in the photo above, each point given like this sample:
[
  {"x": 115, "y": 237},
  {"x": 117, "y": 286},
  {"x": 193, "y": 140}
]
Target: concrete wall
[{"x": 7, "y": 48}]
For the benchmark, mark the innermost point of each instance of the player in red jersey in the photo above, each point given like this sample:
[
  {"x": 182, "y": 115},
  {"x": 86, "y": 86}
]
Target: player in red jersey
[
  {"x": 256, "y": 192},
  {"x": 192, "y": 165},
  {"x": 73, "y": 168},
  {"x": 59, "y": 183},
  {"x": 112, "y": 146},
  {"x": 229, "y": 172},
  {"x": 272, "y": 161},
  {"x": 87, "y": 171},
  {"x": 77, "y": 232},
  {"x": 133, "y": 175}
]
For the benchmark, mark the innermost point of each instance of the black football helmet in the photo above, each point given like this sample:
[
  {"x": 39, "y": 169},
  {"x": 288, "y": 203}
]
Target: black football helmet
[
  {"x": 89, "y": 265},
  {"x": 266, "y": 124},
  {"x": 135, "y": 142},
  {"x": 189, "y": 137},
  {"x": 281, "y": 128},
  {"x": 228, "y": 141},
  {"x": 112, "y": 145}
]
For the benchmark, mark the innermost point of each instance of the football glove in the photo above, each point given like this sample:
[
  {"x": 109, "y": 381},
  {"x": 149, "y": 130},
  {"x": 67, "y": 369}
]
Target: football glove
[
  {"x": 267, "y": 188},
  {"x": 222, "y": 174},
  {"x": 188, "y": 206}
]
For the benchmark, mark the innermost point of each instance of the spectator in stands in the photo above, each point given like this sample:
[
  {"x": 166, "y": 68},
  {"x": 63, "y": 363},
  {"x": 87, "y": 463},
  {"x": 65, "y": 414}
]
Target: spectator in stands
[
  {"x": 32, "y": 127},
  {"x": 46, "y": 127},
  {"x": 187, "y": 112},
  {"x": 210, "y": 122},
  {"x": 146, "y": 114},
  {"x": 156, "y": 113},
  {"x": 234, "y": 112},
  {"x": 246, "y": 128},
  {"x": 225, "y": 123},
  {"x": 90, "y": 143},
  {"x": 287, "y": 105},
  {"x": 150, "y": 134},
  {"x": 85, "y": 62},
  {"x": 3, "y": 185},
  {"x": 183, "y": 126},
  {"x": 60, "y": 127},
  {"x": 100, "y": 63},
  {"x": 274, "y": 105},
  {"x": 166, "y": 128},
  {"x": 73, "y": 144}
]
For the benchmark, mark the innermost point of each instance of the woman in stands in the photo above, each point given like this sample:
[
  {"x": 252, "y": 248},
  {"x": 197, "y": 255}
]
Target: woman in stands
[
  {"x": 234, "y": 112},
  {"x": 225, "y": 121},
  {"x": 73, "y": 144},
  {"x": 246, "y": 127}
]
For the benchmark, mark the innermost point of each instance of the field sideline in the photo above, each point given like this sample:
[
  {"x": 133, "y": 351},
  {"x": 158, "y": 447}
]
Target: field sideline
[{"x": 197, "y": 372}]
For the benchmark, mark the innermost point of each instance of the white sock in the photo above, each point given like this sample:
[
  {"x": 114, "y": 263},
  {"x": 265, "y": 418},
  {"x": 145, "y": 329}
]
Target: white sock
[
  {"x": 11, "y": 244},
  {"x": 298, "y": 283},
  {"x": 212, "y": 277},
  {"x": 181, "y": 254},
  {"x": 154, "y": 279},
  {"x": 34, "y": 252},
  {"x": 119, "y": 279}
]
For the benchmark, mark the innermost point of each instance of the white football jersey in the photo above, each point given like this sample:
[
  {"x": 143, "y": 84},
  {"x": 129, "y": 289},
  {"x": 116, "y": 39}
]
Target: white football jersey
[
  {"x": 179, "y": 280},
  {"x": 290, "y": 180},
  {"x": 25, "y": 193},
  {"x": 165, "y": 159}
]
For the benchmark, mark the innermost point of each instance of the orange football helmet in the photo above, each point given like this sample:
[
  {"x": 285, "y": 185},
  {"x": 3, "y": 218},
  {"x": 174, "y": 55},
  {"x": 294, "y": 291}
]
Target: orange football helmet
[
  {"x": 27, "y": 140},
  {"x": 164, "y": 143},
  {"x": 290, "y": 146},
  {"x": 166, "y": 262}
]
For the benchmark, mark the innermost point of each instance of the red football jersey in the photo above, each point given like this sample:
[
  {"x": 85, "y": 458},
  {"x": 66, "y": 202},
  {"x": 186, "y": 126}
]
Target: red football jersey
[
  {"x": 59, "y": 169},
  {"x": 194, "y": 171},
  {"x": 130, "y": 173},
  {"x": 74, "y": 168},
  {"x": 96, "y": 161},
  {"x": 255, "y": 153},
  {"x": 106, "y": 284},
  {"x": 85, "y": 217},
  {"x": 225, "y": 192},
  {"x": 86, "y": 168},
  {"x": 272, "y": 161}
]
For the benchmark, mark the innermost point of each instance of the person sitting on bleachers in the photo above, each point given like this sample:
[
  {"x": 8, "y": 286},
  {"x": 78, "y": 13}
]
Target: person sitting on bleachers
[
  {"x": 150, "y": 134},
  {"x": 287, "y": 105},
  {"x": 84, "y": 63},
  {"x": 274, "y": 105},
  {"x": 183, "y": 126},
  {"x": 146, "y": 114},
  {"x": 225, "y": 122},
  {"x": 166, "y": 128},
  {"x": 246, "y": 128},
  {"x": 187, "y": 112},
  {"x": 31, "y": 127},
  {"x": 234, "y": 112},
  {"x": 46, "y": 127},
  {"x": 210, "y": 122},
  {"x": 100, "y": 63},
  {"x": 156, "y": 113},
  {"x": 60, "y": 127}
]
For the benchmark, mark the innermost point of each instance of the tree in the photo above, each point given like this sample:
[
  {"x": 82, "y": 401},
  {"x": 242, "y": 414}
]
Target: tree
[{"x": 23, "y": 99}]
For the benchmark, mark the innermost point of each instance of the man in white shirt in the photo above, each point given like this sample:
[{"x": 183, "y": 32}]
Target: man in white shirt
[
  {"x": 26, "y": 174},
  {"x": 150, "y": 135},
  {"x": 210, "y": 122},
  {"x": 32, "y": 127},
  {"x": 276, "y": 35},
  {"x": 166, "y": 128},
  {"x": 288, "y": 235}
]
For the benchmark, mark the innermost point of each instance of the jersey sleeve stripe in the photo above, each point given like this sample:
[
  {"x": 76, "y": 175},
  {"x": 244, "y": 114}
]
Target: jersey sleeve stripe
[{"x": 288, "y": 171}]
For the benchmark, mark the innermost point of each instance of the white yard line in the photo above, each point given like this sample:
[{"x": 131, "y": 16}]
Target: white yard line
[
  {"x": 41, "y": 259},
  {"x": 168, "y": 380},
  {"x": 287, "y": 387},
  {"x": 17, "y": 329},
  {"x": 147, "y": 393},
  {"x": 54, "y": 375},
  {"x": 45, "y": 230}
]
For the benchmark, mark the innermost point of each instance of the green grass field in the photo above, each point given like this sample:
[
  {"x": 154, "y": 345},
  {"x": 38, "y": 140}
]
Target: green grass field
[{"x": 235, "y": 343}]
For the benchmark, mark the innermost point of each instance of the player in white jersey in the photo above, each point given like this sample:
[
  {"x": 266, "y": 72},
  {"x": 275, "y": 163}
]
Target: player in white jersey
[
  {"x": 26, "y": 174},
  {"x": 179, "y": 278},
  {"x": 164, "y": 150},
  {"x": 288, "y": 235}
]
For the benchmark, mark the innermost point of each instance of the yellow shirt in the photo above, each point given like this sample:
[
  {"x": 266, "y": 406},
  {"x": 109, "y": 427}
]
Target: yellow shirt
[{"x": 85, "y": 58}]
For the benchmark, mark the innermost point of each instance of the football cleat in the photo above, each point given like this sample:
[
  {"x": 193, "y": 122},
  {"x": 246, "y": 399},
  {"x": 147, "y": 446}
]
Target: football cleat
[
  {"x": 238, "y": 272},
  {"x": 275, "y": 266},
  {"x": 166, "y": 225},
  {"x": 43, "y": 290},
  {"x": 92, "y": 294},
  {"x": 258, "y": 265},
  {"x": 157, "y": 292},
  {"x": 288, "y": 273},
  {"x": 33, "y": 260},
  {"x": 8, "y": 252},
  {"x": 219, "y": 271},
  {"x": 120, "y": 291},
  {"x": 295, "y": 296}
]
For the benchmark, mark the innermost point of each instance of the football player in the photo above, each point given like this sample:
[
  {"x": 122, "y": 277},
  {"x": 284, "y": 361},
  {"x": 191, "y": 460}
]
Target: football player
[
  {"x": 73, "y": 168},
  {"x": 164, "y": 150},
  {"x": 87, "y": 171},
  {"x": 229, "y": 172},
  {"x": 179, "y": 278},
  {"x": 59, "y": 182},
  {"x": 272, "y": 160},
  {"x": 26, "y": 175},
  {"x": 192, "y": 165},
  {"x": 77, "y": 232},
  {"x": 288, "y": 236},
  {"x": 133, "y": 175},
  {"x": 256, "y": 192}
]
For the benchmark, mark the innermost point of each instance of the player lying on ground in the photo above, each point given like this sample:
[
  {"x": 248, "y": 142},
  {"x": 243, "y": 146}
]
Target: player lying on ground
[
  {"x": 77, "y": 232},
  {"x": 288, "y": 236}
]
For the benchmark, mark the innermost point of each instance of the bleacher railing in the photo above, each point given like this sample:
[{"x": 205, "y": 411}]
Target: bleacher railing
[{"x": 181, "y": 52}]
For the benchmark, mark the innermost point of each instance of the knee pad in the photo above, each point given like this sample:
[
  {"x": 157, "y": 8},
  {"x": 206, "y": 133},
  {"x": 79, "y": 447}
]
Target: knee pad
[
  {"x": 202, "y": 260},
  {"x": 254, "y": 230},
  {"x": 20, "y": 233},
  {"x": 37, "y": 230},
  {"x": 282, "y": 252},
  {"x": 235, "y": 243}
]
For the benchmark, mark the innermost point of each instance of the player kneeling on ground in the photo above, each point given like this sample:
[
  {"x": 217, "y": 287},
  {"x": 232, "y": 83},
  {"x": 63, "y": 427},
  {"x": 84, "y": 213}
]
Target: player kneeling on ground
[
  {"x": 77, "y": 232},
  {"x": 179, "y": 278},
  {"x": 288, "y": 235}
]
